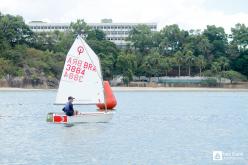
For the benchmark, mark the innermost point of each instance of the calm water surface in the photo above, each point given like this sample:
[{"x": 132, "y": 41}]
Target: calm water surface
[{"x": 149, "y": 128}]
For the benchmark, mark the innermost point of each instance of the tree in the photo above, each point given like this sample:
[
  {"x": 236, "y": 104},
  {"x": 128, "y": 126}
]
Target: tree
[
  {"x": 218, "y": 40},
  {"x": 198, "y": 44},
  {"x": 56, "y": 67},
  {"x": 240, "y": 36},
  {"x": 172, "y": 39},
  {"x": 233, "y": 51},
  {"x": 178, "y": 60},
  {"x": 16, "y": 55},
  {"x": 127, "y": 77},
  {"x": 233, "y": 76},
  {"x": 141, "y": 38},
  {"x": 107, "y": 67},
  {"x": 200, "y": 62},
  {"x": 165, "y": 65},
  {"x": 15, "y": 31},
  {"x": 238, "y": 49},
  {"x": 240, "y": 64},
  {"x": 189, "y": 60},
  {"x": 65, "y": 41},
  {"x": 108, "y": 52},
  {"x": 42, "y": 55},
  {"x": 4, "y": 67},
  {"x": 126, "y": 65},
  {"x": 216, "y": 67},
  {"x": 48, "y": 40},
  {"x": 224, "y": 62},
  {"x": 151, "y": 64},
  {"x": 96, "y": 35},
  {"x": 79, "y": 27}
]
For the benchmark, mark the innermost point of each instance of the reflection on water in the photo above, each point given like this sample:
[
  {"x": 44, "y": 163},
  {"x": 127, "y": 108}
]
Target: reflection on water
[
  {"x": 85, "y": 130},
  {"x": 148, "y": 128}
]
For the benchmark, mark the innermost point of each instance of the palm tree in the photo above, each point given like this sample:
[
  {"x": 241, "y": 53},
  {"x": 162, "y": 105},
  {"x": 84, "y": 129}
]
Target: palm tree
[
  {"x": 224, "y": 62},
  {"x": 200, "y": 62},
  {"x": 216, "y": 67},
  {"x": 165, "y": 65},
  {"x": 151, "y": 64},
  {"x": 189, "y": 59},
  {"x": 178, "y": 58}
]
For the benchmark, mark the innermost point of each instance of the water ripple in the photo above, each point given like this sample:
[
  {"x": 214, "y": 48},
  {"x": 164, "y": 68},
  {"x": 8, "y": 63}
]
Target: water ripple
[{"x": 174, "y": 128}]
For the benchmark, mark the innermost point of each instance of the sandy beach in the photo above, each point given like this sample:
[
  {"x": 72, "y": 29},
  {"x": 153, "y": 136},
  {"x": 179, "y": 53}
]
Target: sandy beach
[
  {"x": 176, "y": 89},
  {"x": 129, "y": 89},
  {"x": 22, "y": 89}
]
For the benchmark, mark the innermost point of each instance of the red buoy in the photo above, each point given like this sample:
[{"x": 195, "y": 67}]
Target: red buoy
[{"x": 109, "y": 98}]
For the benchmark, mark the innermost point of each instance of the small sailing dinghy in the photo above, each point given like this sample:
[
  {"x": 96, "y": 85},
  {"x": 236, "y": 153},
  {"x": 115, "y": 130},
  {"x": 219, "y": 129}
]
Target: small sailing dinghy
[{"x": 82, "y": 79}]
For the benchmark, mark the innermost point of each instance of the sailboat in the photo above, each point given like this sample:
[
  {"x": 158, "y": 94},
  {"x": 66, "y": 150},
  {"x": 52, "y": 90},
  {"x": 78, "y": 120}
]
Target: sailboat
[{"x": 82, "y": 79}]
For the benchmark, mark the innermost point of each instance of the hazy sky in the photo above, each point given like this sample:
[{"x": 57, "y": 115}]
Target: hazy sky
[{"x": 189, "y": 14}]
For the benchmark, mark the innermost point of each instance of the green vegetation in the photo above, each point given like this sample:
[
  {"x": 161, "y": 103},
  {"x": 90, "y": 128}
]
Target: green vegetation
[
  {"x": 176, "y": 52},
  {"x": 233, "y": 76},
  {"x": 38, "y": 57}
]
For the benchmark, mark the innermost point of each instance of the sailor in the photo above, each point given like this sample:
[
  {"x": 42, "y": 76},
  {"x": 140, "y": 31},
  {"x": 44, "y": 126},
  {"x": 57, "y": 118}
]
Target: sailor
[{"x": 68, "y": 109}]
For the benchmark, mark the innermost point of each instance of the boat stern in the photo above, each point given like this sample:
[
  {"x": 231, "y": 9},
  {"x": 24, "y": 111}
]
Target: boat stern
[{"x": 57, "y": 118}]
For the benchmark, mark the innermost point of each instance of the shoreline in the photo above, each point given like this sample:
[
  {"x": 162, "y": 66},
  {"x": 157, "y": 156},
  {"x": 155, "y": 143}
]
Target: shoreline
[
  {"x": 177, "y": 89},
  {"x": 146, "y": 89},
  {"x": 23, "y": 89}
]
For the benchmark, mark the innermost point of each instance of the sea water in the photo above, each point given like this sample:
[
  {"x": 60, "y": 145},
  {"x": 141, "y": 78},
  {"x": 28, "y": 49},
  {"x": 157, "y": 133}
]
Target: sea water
[{"x": 148, "y": 128}]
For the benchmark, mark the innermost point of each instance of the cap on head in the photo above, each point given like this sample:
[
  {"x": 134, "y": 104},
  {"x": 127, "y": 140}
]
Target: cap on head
[{"x": 70, "y": 98}]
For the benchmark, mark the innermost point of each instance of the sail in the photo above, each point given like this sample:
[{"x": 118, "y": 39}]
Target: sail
[{"x": 81, "y": 76}]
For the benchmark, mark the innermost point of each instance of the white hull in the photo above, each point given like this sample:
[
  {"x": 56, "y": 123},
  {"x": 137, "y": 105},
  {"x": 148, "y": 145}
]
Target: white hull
[
  {"x": 91, "y": 117},
  {"x": 82, "y": 117}
]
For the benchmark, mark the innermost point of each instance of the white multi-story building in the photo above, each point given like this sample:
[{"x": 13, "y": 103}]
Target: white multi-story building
[{"x": 115, "y": 32}]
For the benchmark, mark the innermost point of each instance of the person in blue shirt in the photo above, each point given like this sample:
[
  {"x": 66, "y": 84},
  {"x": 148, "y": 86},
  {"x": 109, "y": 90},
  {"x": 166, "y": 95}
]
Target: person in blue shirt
[{"x": 68, "y": 109}]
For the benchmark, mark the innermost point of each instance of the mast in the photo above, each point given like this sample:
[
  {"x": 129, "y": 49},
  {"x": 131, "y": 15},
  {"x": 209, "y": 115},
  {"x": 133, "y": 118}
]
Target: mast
[{"x": 101, "y": 79}]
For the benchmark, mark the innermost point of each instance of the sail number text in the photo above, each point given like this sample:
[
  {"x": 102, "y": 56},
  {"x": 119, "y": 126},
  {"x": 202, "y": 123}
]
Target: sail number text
[{"x": 75, "y": 69}]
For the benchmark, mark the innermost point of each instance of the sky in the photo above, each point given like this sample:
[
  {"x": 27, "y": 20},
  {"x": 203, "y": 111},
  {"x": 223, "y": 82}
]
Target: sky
[{"x": 188, "y": 14}]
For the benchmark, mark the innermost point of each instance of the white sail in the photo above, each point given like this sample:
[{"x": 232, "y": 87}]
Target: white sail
[{"x": 81, "y": 76}]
